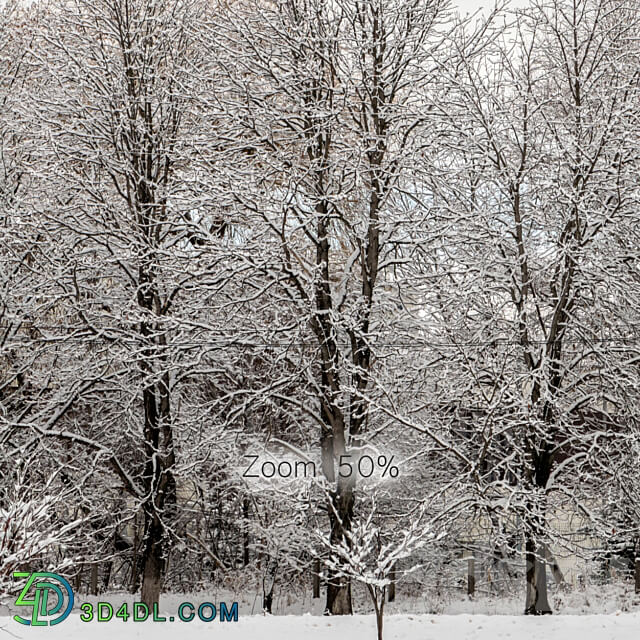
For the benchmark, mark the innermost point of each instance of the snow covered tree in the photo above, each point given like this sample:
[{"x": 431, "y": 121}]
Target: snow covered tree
[
  {"x": 132, "y": 263},
  {"x": 539, "y": 273},
  {"x": 322, "y": 106},
  {"x": 32, "y": 523},
  {"x": 369, "y": 556}
]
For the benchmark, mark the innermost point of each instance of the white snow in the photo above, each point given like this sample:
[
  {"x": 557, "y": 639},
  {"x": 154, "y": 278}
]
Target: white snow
[{"x": 618, "y": 626}]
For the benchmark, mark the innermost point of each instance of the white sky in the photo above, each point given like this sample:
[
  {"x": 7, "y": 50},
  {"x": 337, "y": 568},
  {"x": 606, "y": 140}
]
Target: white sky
[{"x": 469, "y": 6}]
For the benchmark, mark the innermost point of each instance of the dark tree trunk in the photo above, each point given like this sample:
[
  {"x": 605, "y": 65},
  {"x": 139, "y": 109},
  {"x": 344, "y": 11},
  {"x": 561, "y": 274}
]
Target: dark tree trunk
[
  {"x": 378, "y": 596},
  {"x": 268, "y": 584},
  {"x": 153, "y": 561},
  {"x": 108, "y": 568},
  {"x": 339, "y": 597},
  {"x": 392, "y": 585},
  {"x": 380, "y": 619},
  {"x": 333, "y": 447},
  {"x": 537, "y": 602},
  {"x": 340, "y": 516},
  {"x": 245, "y": 532},
  {"x": 159, "y": 483},
  {"x": 135, "y": 558},
  {"x": 316, "y": 578},
  {"x": 471, "y": 577},
  {"x": 267, "y": 601},
  {"x": 94, "y": 580}
]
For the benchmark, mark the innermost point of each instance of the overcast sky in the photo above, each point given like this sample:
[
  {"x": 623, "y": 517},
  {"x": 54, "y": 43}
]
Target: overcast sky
[{"x": 472, "y": 5}]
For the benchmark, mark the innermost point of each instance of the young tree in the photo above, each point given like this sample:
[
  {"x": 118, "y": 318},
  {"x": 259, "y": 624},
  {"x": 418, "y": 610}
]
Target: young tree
[{"x": 369, "y": 556}]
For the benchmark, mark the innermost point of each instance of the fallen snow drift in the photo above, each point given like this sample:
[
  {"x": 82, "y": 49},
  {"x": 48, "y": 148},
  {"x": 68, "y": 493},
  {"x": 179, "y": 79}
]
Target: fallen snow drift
[{"x": 621, "y": 626}]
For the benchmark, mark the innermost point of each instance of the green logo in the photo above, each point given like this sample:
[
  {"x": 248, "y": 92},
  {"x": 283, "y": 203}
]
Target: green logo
[{"x": 42, "y": 605}]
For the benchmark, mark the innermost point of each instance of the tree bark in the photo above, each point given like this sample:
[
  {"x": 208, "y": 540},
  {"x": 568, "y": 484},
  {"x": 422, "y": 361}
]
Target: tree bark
[
  {"x": 106, "y": 578},
  {"x": 135, "y": 560},
  {"x": 536, "y": 602},
  {"x": 245, "y": 532},
  {"x": 159, "y": 483},
  {"x": 471, "y": 577},
  {"x": 339, "y": 597},
  {"x": 153, "y": 561},
  {"x": 392, "y": 585},
  {"x": 340, "y": 516},
  {"x": 316, "y": 578},
  {"x": 94, "y": 580},
  {"x": 555, "y": 567},
  {"x": 378, "y": 596},
  {"x": 268, "y": 584}
]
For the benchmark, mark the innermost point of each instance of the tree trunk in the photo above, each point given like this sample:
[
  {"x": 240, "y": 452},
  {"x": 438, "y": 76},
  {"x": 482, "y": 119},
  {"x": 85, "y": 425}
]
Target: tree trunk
[
  {"x": 108, "y": 568},
  {"x": 339, "y": 597},
  {"x": 333, "y": 435},
  {"x": 245, "y": 532},
  {"x": 555, "y": 567},
  {"x": 94, "y": 580},
  {"x": 471, "y": 577},
  {"x": 135, "y": 560},
  {"x": 340, "y": 516},
  {"x": 160, "y": 487},
  {"x": 392, "y": 584},
  {"x": 153, "y": 561},
  {"x": 316, "y": 578},
  {"x": 378, "y": 596},
  {"x": 537, "y": 602},
  {"x": 267, "y": 602},
  {"x": 339, "y": 504},
  {"x": 268, "y": 584},
  {"x": 637, "y": 574}
]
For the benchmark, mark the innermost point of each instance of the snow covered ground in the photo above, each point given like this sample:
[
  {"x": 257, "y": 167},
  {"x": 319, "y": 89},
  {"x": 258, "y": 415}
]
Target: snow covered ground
[
  {"x": 598, "y": 612},
  {"x": 618, "y": 626}
]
